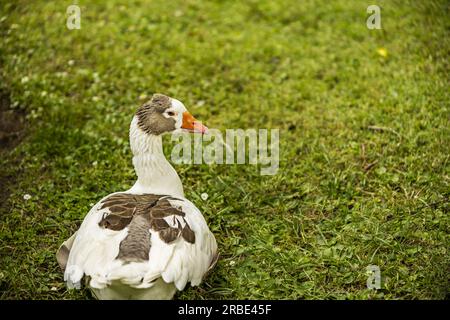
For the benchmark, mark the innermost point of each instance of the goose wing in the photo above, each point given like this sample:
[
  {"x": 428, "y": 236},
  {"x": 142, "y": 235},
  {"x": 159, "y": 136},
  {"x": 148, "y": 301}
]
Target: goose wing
[{"x": 137, "y": 239}]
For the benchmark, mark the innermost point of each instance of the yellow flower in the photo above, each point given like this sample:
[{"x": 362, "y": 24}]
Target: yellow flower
[{"x": 382, "y": 52}]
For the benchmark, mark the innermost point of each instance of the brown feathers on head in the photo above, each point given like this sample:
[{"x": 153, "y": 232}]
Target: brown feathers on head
[{"x": 150, "y": 115}]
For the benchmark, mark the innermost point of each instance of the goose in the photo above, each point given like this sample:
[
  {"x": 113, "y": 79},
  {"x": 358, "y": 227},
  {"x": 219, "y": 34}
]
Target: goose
[{"x": 149, "y": 241}]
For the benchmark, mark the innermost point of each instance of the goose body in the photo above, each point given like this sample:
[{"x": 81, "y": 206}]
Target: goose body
[{"x": 149, "y": 241}]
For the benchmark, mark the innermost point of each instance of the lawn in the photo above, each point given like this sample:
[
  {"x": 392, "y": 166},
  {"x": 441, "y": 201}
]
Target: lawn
[{"x": 364, "y": 138}]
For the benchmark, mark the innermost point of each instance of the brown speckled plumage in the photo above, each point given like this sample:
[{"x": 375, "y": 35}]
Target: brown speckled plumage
[
  {"x": 140, "y": 213},
  {"x": 150, "y": 118}
]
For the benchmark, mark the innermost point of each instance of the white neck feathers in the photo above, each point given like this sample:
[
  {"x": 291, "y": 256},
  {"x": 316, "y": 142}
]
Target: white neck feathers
[{"x": 155, "y": 174}]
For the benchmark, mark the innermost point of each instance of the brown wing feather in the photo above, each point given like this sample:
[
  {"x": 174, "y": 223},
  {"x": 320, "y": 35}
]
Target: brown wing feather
[
  {"x": 140, "y": 213},
  {"x": 188, "y": 234}
]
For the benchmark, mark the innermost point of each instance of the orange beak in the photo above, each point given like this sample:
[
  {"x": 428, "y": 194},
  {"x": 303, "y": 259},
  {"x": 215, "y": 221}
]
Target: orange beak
[{"x": 191, "y": 124}]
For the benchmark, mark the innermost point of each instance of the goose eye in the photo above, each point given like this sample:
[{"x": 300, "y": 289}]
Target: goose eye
[{"x": 171, "y": 113}]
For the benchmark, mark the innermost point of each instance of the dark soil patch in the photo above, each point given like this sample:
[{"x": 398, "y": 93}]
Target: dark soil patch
[
  {"x": 11, "y": 124},
  {"x": 12, "y": 131}
]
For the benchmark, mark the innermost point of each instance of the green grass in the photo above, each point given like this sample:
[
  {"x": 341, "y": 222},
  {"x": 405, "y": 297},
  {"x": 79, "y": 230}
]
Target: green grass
[{"x": 344, "y": 197}]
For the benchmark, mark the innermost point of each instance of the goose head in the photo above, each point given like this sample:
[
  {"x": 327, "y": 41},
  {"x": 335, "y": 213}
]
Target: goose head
[{"x": 163, "y": 114}]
